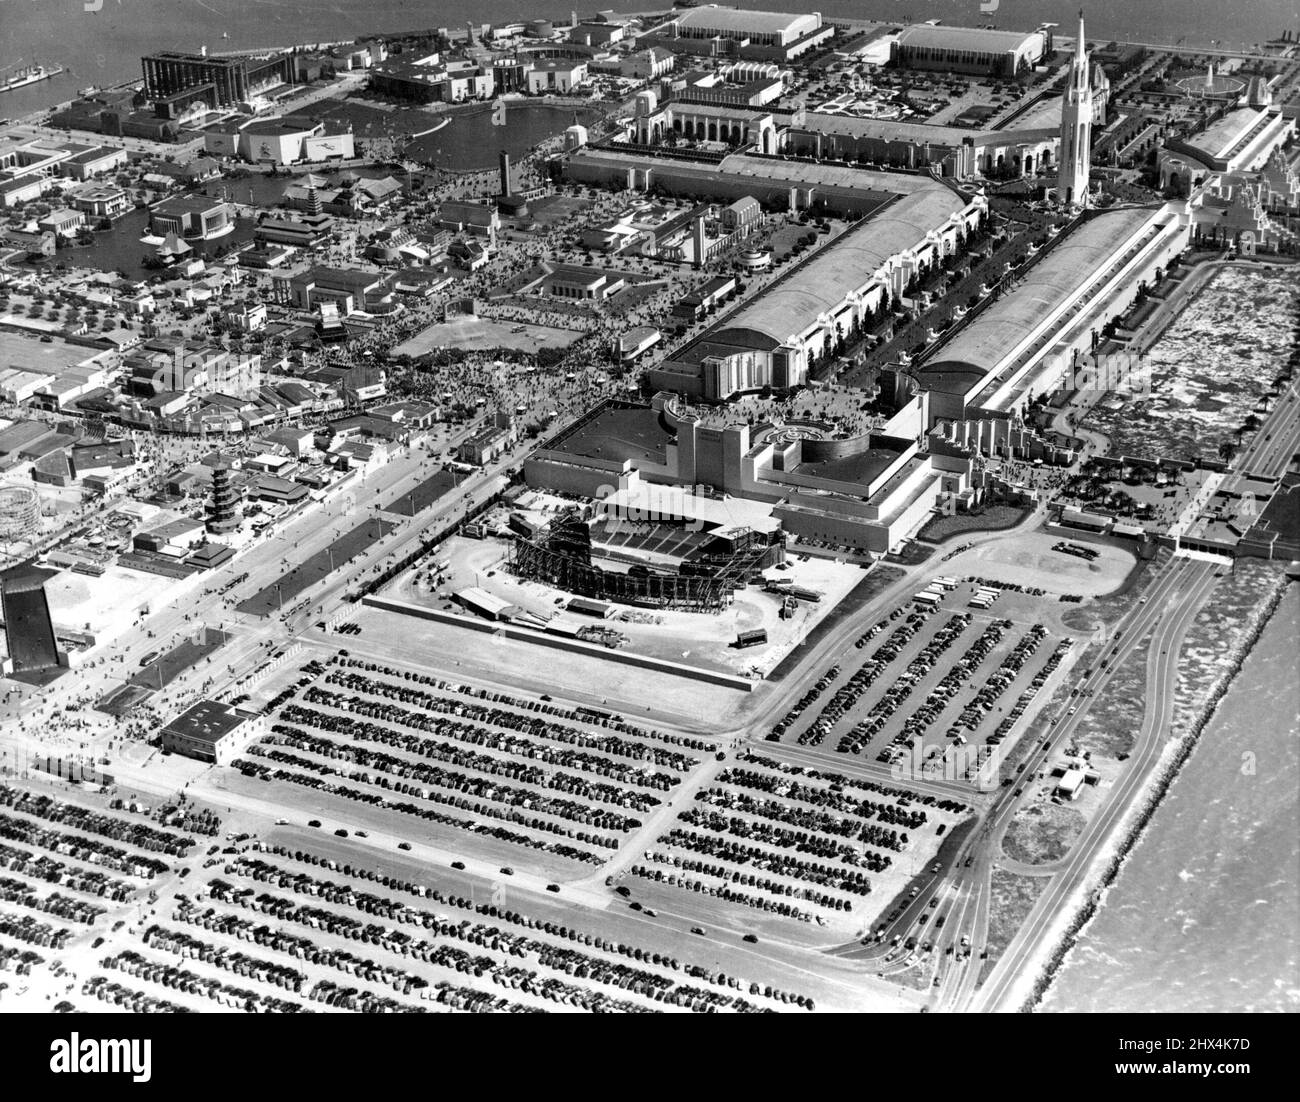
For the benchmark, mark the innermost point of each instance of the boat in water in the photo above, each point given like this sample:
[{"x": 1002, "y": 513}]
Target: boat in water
[{"x": 31, "y": 74}]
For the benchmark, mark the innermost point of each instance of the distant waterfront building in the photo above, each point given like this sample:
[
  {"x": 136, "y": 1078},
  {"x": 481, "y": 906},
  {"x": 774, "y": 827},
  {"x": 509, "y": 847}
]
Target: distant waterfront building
[
  {"x": 711, "y": 30},
  {"x": 1076, "y": 128},
  {"x": 232, "y": 79},
  {"x": 433, "y": 80},
  {"x": 969, "y": 49}
]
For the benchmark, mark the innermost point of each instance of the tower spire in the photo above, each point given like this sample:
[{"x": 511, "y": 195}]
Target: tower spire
[{"x": 1076, "y": 128}]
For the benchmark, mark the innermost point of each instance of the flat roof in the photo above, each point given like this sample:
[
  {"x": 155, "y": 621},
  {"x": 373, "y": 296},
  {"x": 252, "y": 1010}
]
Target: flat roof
[
  {"x": 635, "y": 432},
  {"x": 188, "y": 203},
  {"x": 964, "y": 38},
  {"x": 1216, "y": 141},
  {"x": 279, "y": 126},
  {"x": 862, "y": 467},
  {"x": 207, "y": 721},
  {"x": 711, "y": 18},
  {"x": 919, "y": 133}
]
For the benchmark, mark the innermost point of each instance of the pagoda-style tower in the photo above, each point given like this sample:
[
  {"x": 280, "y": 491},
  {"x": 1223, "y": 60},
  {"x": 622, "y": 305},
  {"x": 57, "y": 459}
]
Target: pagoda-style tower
[{"x": 223, "y": 507}]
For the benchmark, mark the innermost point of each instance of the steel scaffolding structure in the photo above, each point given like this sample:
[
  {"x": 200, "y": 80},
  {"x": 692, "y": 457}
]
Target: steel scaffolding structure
[{"x": 561, "y": 555}]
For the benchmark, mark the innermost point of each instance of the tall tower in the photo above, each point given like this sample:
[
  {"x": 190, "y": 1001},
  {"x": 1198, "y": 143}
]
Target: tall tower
[
  {"x": 1076, "y": 128},
  {"x": 223, "y": 506}
]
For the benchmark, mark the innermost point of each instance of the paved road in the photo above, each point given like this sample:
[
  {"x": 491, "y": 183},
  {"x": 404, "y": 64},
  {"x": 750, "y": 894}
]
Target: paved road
[
  {"x": 1166, "y": 613},
  {"x": 1004, "y": 989}
]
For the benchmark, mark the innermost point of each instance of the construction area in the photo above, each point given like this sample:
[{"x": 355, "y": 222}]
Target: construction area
[{"x": 646, "y": 564}]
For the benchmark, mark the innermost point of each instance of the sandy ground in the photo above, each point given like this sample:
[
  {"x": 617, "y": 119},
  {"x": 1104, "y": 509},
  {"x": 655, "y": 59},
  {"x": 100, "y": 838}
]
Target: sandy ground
[
  {"x": 110, "y": 602},
  {"x": 639, "y": 693},
  {"x": 1029, "y": 560}
]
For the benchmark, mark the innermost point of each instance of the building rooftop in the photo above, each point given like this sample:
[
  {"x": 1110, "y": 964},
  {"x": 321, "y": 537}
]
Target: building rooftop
[
  {"x": 714, "y": 18},
  {"x": 918, "y": 133},
  {"x": 845, "y": 265},
  {"x": 207, "y": 721},
  {"x": 932, "y": 36},
  {"x": 188, "y": 204},
  {"x": 273, "y": 127},
  {"x": 1217, "y": 141},
  {"x": 861, "y": 467},
  {"x": 983, "y": 344},
  {"x": 620, "y": 433}
]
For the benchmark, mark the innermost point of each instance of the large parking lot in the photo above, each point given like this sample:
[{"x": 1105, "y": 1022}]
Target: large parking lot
[
  {"x": 930, "y": 684},
  {"x": 561, "y": 785}
]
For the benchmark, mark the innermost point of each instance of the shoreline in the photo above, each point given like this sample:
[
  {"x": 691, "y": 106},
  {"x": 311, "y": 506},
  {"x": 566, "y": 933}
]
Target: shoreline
[{"x": 1133, "y": 828}]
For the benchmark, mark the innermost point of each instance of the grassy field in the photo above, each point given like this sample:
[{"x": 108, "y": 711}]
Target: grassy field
[
  {"x": 1113, "y": 719},
  {"x": 424, "y": 495},
  {"x": 280, "y": 593},
  {"x": 992, "y": 519},
  {"x": 169, "y": 666},
  {"x": 1013, "y": 898},
  {"x": 1042, "y": 833}
]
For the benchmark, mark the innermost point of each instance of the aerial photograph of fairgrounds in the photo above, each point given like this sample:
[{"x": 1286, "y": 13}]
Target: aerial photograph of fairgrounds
[{"x": 700, "y": 509}]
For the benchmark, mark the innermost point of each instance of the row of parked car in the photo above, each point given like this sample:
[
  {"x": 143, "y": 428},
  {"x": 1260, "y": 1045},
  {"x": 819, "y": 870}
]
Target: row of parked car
[
  {"x": 46, "y": 868},
  {"x": 1001, "y": 679},
  {"x": 543, "y": 705},
  {"x": 61, "y": 906},
  {"x": 140, "y": 835},
  {"x": 1026, "y": 697},
  {"x": 90, "y": 850},
  {"x": 33, "y": 931},
  {"x": 527, "y": 752},
  {"x": 320, "y": 782},
  {"x": 778, "y": 778},
  {"x": 190, "y": 983},
  {"x": 856, "y": 739},
  {"x": 711, "y": 844},
  {"x": 919, "y": 722}
]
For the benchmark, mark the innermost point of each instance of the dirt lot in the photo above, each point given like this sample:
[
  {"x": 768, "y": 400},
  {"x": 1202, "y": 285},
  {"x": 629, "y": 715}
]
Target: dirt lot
[
  {"x": 700, "y": 639},
  {"x": 1030, "y": 561}
]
